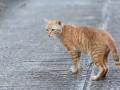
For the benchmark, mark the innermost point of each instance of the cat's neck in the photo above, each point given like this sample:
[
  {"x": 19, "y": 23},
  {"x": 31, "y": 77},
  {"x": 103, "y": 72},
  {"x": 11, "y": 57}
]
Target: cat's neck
[
  {"x": 69, "y": 26},
  {"x": 65, "y": 29},
  {"x": 59, "y": 35}
]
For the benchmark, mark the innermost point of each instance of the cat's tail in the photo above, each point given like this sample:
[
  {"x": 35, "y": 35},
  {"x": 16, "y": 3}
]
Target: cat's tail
[{"x": 114, "y": 52}]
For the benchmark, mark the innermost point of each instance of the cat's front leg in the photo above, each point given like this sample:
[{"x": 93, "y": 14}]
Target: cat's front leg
[
  {"x": 75, "y": 56},
  {"x": 74, "y": 68}
]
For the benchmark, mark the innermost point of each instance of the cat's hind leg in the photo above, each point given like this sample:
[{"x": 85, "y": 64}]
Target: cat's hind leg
[
  {"x": 105, "y": 62},
  {"x": 100, "y": 73},
  {"x": 99, "y": 60}
]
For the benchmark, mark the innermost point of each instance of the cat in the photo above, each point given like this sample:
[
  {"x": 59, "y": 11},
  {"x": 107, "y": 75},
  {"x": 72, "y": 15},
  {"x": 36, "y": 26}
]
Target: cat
[{"x": 96, "y": 42}]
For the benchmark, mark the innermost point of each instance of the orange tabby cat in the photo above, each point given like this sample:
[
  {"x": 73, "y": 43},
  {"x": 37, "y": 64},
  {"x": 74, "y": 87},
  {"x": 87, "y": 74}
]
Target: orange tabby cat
[{"x": 94, "y": 41}]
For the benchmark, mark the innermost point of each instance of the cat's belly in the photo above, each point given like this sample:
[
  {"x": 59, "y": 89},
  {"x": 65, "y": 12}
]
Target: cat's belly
[
  {"x": 83, "y": 47},
  {"x": 82, "y": 50}
]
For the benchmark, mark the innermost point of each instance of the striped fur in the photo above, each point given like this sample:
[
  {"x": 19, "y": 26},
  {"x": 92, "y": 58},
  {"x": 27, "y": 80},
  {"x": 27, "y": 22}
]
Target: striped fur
[{"x": 94, "y": 41}]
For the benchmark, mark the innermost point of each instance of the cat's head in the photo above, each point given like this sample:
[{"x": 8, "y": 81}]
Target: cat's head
[{"x": 54, "y": 27}]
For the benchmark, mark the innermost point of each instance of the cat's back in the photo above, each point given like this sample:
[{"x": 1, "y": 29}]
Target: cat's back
[
  {"x": 93, "y": 31},
  {"x": 88, "y": 32}
]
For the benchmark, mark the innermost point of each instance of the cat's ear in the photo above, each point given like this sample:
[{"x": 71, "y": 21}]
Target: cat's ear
[{"x": 59, "y": 22}]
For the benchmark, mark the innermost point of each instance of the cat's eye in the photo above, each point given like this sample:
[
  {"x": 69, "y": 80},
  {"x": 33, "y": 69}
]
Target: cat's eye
[
  {"x": 47, "y": 30},
  {"x": 53, "y": 29}
]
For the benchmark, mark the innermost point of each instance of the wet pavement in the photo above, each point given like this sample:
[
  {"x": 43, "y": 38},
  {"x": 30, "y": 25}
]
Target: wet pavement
[{"x": 30, "y": 60}]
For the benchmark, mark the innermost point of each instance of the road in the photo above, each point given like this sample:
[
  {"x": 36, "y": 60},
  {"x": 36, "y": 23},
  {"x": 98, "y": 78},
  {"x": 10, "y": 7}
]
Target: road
[{"x": 30, "y": 60}]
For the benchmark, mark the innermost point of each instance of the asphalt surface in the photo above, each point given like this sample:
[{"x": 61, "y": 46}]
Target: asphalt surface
[{"x": 30, "y": 60}]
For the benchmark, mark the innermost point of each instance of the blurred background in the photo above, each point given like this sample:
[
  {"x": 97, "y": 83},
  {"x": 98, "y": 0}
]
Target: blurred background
[{"x": 30, "y": 60}]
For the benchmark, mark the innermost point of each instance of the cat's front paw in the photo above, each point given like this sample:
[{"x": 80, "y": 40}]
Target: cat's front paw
[
  {"x": 74, "y": 69},
  {"x": 95, "y": 78}
]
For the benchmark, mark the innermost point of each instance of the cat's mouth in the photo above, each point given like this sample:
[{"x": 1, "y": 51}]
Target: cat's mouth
[{"x": 50, "y": 35}]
